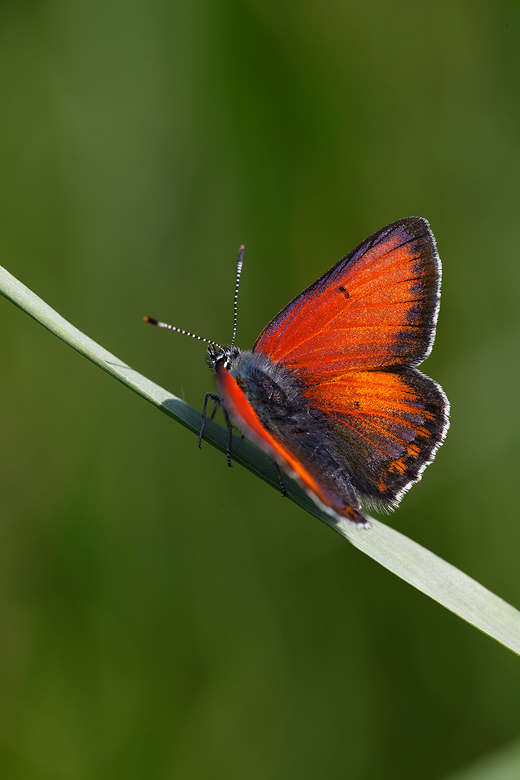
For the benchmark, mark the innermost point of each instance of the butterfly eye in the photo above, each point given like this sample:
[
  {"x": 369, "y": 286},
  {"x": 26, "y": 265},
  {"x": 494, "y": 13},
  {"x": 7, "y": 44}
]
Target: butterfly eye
[{"x": 344, "y": 291}]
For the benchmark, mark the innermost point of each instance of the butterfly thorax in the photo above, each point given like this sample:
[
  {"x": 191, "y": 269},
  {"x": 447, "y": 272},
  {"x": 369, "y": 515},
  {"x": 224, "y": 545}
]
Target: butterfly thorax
[{"x": 273, "y": 391}]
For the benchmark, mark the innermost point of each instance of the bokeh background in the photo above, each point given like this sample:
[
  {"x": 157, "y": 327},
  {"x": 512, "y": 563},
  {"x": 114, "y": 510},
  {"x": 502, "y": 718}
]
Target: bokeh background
[{"x": 162, "y": 616}]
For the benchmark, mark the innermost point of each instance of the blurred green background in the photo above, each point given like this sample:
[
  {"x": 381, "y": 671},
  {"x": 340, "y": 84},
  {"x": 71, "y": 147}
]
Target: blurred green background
[{"x": 162, "y": 616}]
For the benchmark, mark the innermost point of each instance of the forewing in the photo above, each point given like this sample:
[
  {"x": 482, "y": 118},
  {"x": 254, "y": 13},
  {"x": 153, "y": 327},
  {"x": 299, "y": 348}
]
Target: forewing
[
  {"x": 376, "y": 307},
  {"x": 389, "y": 423}
]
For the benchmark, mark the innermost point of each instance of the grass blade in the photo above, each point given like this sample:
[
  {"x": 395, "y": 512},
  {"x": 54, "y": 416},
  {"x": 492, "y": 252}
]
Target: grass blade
[{"x": 405, "y": 558}]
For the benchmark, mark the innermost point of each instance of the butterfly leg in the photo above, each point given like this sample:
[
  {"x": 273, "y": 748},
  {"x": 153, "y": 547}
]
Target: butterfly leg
[
  {"x": 216, "y": 401},
  {"x": 229, "y": 436},
  {"x": 280, "y": 478}
]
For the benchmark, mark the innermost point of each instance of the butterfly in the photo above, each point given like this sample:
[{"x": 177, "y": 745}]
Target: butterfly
[{"x": 331, "y": 391}]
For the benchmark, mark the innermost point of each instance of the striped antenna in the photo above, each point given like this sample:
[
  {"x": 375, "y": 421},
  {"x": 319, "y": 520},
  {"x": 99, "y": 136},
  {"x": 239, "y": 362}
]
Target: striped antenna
[
  {"x": 240, "y": 263},
  {"x": 158, "y": 324},
  {"x": 179, "y": 330}
]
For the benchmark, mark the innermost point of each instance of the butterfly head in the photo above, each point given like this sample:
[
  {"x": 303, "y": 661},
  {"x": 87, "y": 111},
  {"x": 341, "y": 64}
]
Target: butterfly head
[{"x": 224, "y": 355}]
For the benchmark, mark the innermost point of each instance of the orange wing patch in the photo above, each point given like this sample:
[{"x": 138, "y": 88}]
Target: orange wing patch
[
  {"x": 377, "y": 307},
  {"x": 390, "y": 423}
]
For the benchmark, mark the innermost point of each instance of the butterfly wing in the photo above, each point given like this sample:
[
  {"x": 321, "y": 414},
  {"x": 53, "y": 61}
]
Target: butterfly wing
[
  {"x": 376, "y": 307},
  {"x": 390, "y": 424},
  {"x": 353, "y": 339}
]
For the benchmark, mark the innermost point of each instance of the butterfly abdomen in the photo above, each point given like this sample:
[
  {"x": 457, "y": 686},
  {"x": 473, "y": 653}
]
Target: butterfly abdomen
[{"x": 271, "y": 409}]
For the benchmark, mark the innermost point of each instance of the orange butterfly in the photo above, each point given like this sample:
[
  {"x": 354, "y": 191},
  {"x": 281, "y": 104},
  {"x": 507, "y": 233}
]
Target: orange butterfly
[{"x": 330, "y": 389}]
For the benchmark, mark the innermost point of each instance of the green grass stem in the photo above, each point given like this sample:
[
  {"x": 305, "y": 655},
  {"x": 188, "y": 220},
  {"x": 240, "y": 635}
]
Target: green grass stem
[{"x": 416, "y": 565}]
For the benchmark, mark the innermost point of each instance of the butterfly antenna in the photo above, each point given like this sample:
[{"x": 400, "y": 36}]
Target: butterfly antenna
[
  {"x": 240, "y": 263},
  {"x": 179, "y": 330}
]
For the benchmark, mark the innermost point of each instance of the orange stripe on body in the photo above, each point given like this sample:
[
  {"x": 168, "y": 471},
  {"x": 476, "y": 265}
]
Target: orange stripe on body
[{"x": 247, "y": 420}]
